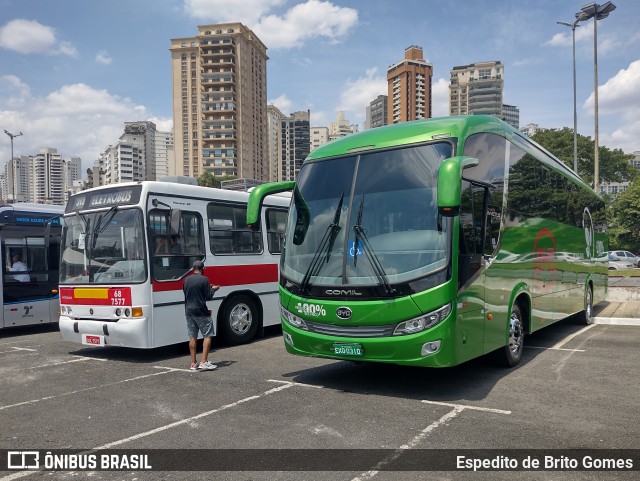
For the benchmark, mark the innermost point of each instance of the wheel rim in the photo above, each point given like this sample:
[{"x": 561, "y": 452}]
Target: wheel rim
[
  {"x": 588, "y": 308},
  {"x": 516, "y": 334},
  {"x": 240, "y": 319}
]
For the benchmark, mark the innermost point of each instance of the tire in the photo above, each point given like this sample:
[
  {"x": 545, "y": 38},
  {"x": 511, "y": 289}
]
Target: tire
[
  {"x": 587, "y": 315},
  {"x": 511, "y": 354},
  {"x": 239, "y": 320}
]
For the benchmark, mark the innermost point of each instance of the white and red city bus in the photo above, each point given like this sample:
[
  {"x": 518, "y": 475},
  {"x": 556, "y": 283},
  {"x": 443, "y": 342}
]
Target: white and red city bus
[{"x": 127, "y": 248}]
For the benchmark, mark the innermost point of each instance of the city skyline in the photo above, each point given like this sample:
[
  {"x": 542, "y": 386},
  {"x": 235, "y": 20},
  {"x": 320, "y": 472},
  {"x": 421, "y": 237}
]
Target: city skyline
[{"x": 70, "y": 78}]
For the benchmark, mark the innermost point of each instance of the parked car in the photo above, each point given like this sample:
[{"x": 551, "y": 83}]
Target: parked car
[
  {"x": 626, "y": 256},
  {"x": 616, "y": 264}
]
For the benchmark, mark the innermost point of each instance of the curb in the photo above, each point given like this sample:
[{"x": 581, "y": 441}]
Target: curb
[{"x": 617, "y": 321}]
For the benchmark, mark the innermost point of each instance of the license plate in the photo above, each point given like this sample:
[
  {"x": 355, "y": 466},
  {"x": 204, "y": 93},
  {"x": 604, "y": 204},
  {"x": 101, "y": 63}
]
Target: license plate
[
  {"x": 348, "y": 349},
  {"x": 92, "y": 340}
]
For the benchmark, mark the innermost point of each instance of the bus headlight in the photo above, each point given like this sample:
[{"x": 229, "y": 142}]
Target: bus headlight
[
  {"x": 422, "y": 323},
  {"x": 292, "y": 319}
]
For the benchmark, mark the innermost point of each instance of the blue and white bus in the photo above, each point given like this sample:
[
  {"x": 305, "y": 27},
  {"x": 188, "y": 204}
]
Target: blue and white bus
[{"x": 30, "y": 246}]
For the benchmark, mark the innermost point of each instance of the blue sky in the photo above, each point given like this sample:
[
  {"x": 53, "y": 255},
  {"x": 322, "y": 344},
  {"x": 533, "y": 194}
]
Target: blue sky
[{"x": 71, "y": 72}]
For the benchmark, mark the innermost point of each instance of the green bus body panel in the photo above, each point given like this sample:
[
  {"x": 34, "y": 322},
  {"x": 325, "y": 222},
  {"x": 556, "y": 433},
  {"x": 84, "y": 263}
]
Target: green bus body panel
[
  {"x": 539, "y": 263},
  {"x": 257, "y": 195}
]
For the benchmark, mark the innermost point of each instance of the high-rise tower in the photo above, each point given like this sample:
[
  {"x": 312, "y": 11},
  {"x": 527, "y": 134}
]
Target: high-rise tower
[
  {"x": 220, "y": 102},
  {"x": 409, "y": 87}
]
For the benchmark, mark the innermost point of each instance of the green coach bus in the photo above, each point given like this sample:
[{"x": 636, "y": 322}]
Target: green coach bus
[{"x": 434, "y": 242}]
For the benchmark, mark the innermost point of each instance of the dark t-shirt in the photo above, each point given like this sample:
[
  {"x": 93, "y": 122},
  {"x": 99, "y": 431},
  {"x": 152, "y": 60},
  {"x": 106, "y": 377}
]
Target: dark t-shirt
[{"x": 197, "y": 292}]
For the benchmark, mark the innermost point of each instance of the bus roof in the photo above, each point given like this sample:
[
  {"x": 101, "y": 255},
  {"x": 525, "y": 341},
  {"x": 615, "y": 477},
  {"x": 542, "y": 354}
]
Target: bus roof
[
  {"x": 33, "y": 207},
  {"x": 425, "y": 130},
  {"x": 413, "y": 132},
  {"x": 172, "y": 189}
]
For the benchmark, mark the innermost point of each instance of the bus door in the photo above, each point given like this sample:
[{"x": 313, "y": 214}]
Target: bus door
[
  {"x": 27, "y": 294},
  {"x": 479, "y": 226}
]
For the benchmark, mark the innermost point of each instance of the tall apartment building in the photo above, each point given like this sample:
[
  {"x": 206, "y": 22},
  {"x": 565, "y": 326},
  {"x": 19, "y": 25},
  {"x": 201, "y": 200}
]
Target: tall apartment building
[
  {"x": 511, "y": 115},
  {"x": 295, "y": 144},
  {"x": 477, "y": 89},
  {"x": 377, "y": 113},
  {"x": 289, "y": 143},
  {"x": 141, "y": 153},
  {"x": 220, "y": 102},
  {"x": 274, "y": 118},
  {"x": 118, "y": 163},
  {"x": 341, "y": 127},
  {"x": 409, "y": 87},
  {"x": 42, "y": 178},
  {"x": 165, "y": 156},
  {"x": 142, "y": 136},
  {"x": 318, "y": 136}
]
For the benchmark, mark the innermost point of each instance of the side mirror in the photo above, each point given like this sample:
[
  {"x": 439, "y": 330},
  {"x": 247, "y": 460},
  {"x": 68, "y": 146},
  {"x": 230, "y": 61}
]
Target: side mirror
[
  {"x": 257, "y": 195},
  {"x": 174, "y": 221},
  {"x": 450, "y": 184}
]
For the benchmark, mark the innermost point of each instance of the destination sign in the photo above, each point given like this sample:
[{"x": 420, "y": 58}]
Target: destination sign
[{"x": 104, "y": 198}]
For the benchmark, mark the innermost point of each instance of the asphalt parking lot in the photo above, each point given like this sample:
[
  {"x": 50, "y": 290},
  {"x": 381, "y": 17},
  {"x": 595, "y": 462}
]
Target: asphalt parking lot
[{"x": 577, "y": 388}]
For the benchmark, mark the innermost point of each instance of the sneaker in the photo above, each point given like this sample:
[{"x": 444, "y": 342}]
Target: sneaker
[
  {"x": 196, "y": 366},
  {"x": 207, "y": 366}
]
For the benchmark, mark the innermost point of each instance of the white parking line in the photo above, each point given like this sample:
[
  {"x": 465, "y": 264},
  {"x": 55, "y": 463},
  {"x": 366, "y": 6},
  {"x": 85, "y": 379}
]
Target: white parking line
[
  {"x": 553, "y": 348},
  {"x": 48, "y": 365},
  {"x": 572, "y": 336},
  {"x": 413, "y": 442},
  {"x": 197, "y": 416},
  {"x": 92, "y": 388},
  {"x": 14, "y": 349}
]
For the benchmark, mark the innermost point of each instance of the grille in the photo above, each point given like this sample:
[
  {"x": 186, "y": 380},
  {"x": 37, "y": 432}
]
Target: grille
[{"x": 351, "y": 331}]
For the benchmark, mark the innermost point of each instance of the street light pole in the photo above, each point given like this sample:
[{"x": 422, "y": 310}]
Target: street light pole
[
  {"x": 13, "y": 172},
  {"x": 597, "y": 12},
  {"x": 573, "y": 26}
]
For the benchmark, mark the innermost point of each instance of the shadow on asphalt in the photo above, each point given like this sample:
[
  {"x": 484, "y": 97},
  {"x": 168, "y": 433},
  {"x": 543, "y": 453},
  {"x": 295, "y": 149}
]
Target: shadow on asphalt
[
  {"x": 472, "y": 380},
  {"x": 174, "y": 351},
  {"x": 9, "y": 332}
]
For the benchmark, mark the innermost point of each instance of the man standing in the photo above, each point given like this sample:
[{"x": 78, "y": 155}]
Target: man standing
[{"x": 197, "y": 292}]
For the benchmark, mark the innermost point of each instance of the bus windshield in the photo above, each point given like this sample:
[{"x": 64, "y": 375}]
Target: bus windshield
[
  {"x": 368, "y": 220},
  {"x": 105, "y": 247}
]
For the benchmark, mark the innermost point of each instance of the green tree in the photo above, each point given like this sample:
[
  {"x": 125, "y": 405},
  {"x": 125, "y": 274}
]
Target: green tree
[
  {"x": 207, "y": 179},
  {"x": 624, "y": 219},
  {"x": 614, "y": 164}
]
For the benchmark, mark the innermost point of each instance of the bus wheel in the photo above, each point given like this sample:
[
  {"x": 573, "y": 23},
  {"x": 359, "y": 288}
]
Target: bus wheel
[
  {"x": 587, "y": 316},
  {"x": 239, "y": 320},
  {"x": 511, "y": 354}
]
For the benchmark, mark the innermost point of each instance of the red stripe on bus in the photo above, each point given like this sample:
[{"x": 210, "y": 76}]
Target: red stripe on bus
[{"x": 229, "y": 276}]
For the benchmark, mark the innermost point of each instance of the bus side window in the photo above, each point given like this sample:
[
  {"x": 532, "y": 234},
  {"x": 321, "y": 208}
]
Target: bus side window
[
  {"x": 276, "y": 225},
  {"x": 472, "y": 230}
]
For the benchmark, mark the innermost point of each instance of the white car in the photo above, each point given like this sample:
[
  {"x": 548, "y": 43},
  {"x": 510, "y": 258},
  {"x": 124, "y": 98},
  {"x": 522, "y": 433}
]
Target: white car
[
  {"x": 616, "y": 264},
  {"x": 626, "y": 256}
]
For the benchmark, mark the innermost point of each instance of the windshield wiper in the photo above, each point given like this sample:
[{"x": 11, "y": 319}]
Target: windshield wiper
[
  {"x": 326, "y": 243},
  {"x": 378, "y": 270},
  {"x": 101, "y": 225}
]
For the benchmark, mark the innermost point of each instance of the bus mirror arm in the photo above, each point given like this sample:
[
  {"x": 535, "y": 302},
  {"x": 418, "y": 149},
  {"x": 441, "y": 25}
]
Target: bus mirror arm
[
  {"x": 450, "y": 183},
  {"x": 257, "y": 195}
]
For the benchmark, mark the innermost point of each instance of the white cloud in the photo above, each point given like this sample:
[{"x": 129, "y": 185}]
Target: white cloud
[
  {"x": 620, "y": 96},
  {"x": 16, "y": 92},
  {"x": 28, "y": 36},
  {"x": 358, "y": 94},
  {"x": 302, "y": 22},
  {"x": 440, "y": 100},
  {"x": 305, "y": 21},
  {"x": 77, "y": 119},
  {"x": 103, "y": 57},
  {"x": 246, "y": 11},
  {"x": 283, "y": 103}
]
